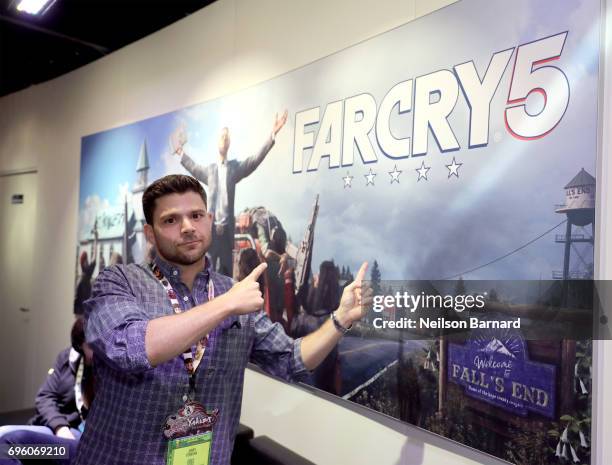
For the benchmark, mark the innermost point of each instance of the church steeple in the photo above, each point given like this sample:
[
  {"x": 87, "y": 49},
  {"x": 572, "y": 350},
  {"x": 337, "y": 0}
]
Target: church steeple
[{"x": 142, "y": 168}]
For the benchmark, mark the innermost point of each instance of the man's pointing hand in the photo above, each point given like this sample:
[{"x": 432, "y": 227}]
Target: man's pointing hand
[{"x": 245, "y": 296}]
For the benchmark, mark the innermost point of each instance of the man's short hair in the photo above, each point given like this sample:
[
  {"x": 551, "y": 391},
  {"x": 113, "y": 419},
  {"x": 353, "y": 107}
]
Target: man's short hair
[
  {"x": 171, "y": 184},
  {"x": 77, "y": 334}
]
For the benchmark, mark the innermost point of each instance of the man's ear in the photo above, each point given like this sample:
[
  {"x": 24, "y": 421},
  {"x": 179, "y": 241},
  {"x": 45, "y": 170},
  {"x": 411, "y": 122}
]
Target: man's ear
[{"x": 148, "y": 232}]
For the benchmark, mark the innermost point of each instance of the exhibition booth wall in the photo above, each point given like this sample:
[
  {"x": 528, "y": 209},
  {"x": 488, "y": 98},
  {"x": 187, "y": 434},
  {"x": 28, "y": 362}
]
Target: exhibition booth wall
[{"x": 221, "y": 50}]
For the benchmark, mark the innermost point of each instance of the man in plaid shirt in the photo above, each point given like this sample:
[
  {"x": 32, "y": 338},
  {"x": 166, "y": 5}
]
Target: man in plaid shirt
[{"x": 138, "y": 339}]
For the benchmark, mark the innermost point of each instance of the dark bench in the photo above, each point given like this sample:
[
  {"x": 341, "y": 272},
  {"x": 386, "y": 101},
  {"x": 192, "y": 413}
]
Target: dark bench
[
  {"x": 16, "y": 417},
  {"x": 262, "y": 450}
]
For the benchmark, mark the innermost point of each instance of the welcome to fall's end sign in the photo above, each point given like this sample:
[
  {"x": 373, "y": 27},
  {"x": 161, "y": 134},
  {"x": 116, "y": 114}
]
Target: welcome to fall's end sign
[{"x": 494, "y": 367}]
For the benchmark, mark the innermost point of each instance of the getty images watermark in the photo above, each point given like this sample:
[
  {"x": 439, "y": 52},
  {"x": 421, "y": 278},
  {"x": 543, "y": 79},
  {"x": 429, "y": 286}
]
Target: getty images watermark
[
  {"x": 541, "y": 310},
  {"x": 407, "y": 302}
]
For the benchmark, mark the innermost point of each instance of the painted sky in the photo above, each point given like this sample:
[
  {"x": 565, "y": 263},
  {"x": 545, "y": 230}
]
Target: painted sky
[{"x": 505, "y": 194}]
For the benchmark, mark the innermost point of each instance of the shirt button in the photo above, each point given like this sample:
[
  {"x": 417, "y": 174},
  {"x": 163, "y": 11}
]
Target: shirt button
[
  {"x": 175, "y": 272},
  {"x": 185, "y": 298}
]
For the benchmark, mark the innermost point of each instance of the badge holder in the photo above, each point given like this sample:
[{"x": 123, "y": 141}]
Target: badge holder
[
  {"x": 190, "y": 450},
  {"x": 190, "y": 432}
]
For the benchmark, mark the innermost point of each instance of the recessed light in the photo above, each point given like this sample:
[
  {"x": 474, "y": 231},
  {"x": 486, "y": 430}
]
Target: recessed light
[{"x": 35, "y": 7}]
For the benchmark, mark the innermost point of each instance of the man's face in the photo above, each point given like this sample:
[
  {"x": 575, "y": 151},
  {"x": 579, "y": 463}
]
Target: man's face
[
  {"x": 224, "y": 142},
  {"x": 181, "y": 230}
]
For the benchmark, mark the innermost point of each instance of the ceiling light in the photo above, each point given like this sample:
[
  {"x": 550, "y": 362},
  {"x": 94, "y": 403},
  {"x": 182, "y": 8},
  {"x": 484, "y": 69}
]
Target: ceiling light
[{"x": 34, "y": 7}]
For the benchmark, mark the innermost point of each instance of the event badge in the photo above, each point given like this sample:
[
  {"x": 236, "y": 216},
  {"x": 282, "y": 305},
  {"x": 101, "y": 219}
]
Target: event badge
[{"x": 190, "y": 434}]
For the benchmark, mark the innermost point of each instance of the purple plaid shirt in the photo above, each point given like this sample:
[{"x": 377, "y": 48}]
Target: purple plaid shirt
[{"x": 133, "y": 399}]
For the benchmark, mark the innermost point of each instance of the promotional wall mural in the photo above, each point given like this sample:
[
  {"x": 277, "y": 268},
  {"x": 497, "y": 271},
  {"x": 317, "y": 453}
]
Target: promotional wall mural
[{"x": 460, "y": 146}]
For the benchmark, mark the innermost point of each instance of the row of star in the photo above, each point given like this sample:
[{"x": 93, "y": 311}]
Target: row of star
[{"x": 453, "y": 170}]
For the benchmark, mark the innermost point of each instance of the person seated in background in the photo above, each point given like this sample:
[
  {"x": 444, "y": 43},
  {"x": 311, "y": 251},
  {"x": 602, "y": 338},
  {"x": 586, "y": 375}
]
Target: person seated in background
[{"x": 62, "y": 400}]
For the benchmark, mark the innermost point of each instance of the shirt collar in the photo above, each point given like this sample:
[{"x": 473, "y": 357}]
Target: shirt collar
[
  {"x": 207, "y": 273},
  {"x": 173, "y": 273},
  {"x": 73, "y": 359}
]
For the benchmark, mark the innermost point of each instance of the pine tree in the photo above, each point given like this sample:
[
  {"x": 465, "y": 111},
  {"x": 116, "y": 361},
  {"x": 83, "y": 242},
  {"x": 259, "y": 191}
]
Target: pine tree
[
  {"x": 375, "y": 278},
  {"x": 460, "y": 288},
  {"x": 376, "y": 287}
]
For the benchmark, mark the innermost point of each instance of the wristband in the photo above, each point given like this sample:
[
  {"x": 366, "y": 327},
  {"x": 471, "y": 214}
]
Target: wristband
[{"x": 338, "y": 326}]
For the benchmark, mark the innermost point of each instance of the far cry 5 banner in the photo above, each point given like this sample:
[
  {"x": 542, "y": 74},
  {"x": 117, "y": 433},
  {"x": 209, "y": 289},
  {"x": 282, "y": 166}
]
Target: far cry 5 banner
[{"x": 460, "y": 146}]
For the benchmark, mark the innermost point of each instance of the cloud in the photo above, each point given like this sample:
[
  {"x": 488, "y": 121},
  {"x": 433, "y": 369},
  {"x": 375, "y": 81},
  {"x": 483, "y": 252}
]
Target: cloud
[
  {"x": 125, "y": 193},
  {"x": 172, "y": 164},
  {"x": 87, "y": 216}
]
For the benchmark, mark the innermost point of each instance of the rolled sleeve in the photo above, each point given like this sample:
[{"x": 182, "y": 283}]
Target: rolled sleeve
[
  {"x": 116, "y": 323},
  {"x": 274, "y": 351},
  {"x": 57, "y": 422},
  {"x": 49, "y": 395}
]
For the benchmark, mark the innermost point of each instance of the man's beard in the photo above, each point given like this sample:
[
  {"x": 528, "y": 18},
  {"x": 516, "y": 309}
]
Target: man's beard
[{"x": 172, "y": 253}]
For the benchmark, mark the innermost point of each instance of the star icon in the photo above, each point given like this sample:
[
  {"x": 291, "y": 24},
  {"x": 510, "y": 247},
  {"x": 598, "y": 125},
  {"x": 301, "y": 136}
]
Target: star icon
[
  {"x": 369, "y": 177},
  {"x": 395, "y": 174},
  {"x": 348, "y": 179},
  {"x": 423, "y": 171},
  {"x": 453, "y": 168}
]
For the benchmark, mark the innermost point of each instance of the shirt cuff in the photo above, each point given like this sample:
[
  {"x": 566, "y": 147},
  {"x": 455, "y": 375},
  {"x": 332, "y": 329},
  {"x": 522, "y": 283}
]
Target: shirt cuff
[{"x": 298, "y": 362}]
